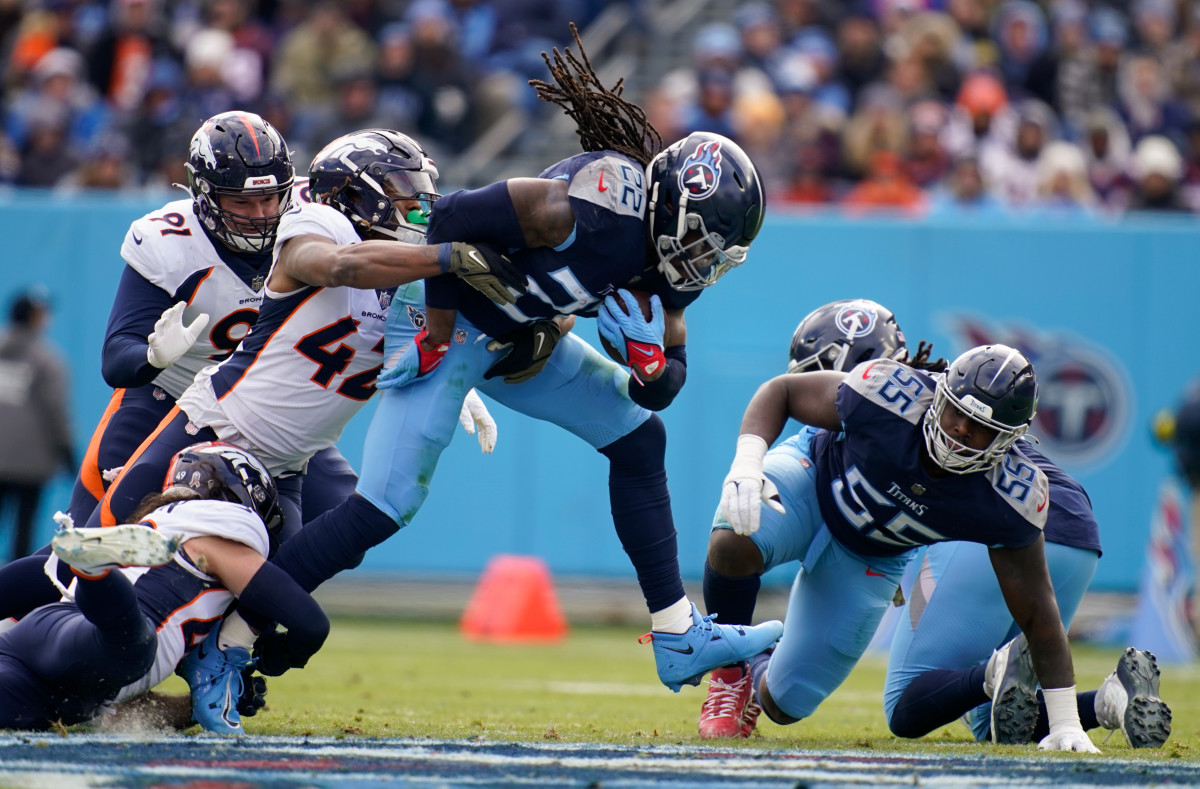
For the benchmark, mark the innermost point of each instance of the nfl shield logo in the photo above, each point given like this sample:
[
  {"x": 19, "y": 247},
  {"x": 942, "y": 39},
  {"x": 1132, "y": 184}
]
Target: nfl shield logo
[{"x": 257, "y": 283}]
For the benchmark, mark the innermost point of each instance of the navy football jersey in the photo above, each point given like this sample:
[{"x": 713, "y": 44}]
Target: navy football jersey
[
  {"x": 878, "y": 500},
  {"x": 607, "y": 249},
  {"x": 1070, "y": 520}
]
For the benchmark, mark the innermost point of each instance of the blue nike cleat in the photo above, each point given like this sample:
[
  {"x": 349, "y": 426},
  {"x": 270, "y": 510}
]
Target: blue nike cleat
[
  {"x": 684, "y": 658},
  {"x": 215, "y": 677}
]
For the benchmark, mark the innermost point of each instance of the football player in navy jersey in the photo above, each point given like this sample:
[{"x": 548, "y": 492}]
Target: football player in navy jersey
[
  {"x": 941, "y": 635},
  {"x": 623, "y": 215},
  {"x": 901, "y": 459},
  {"x": 116, "y": 634}
]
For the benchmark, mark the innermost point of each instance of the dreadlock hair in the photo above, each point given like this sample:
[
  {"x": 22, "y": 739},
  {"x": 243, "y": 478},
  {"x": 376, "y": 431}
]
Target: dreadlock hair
[
  {"x": 603, "y": 120},
  {"x": 920, "y": 360}
]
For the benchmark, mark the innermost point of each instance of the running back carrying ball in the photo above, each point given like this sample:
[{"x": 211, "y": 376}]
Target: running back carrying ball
[{"x": 633, "y": 338}]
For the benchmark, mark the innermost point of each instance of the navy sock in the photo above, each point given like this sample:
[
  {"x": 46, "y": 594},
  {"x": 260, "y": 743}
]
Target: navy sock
[
  {"x": 334, "y": 541},
  {"x": 641, "y": 511},
  {"x": 937, "y": 698},
  {"x": 731, "y": 598}
]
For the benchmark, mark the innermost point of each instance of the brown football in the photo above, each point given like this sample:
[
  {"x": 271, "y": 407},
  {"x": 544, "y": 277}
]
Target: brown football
[{"x": 643, "y": 300}]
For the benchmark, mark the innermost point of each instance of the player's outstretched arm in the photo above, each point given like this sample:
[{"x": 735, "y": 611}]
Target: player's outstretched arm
[
  {"x": 317, "y": 260},
  {"x": 1025, "y": 582}
]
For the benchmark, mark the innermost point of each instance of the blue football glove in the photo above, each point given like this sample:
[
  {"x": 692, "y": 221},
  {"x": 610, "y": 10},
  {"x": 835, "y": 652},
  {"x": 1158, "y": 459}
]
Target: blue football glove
[
  {"x": 639, "y": 341},
  {"x": 412, "y": 363}
]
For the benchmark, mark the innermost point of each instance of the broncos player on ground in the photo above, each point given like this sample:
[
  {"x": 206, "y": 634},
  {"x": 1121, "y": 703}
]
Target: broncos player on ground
[
  {"x": 120, "y": 632},
  {"x": 621, "y": 215},
  {"x": 903, "y": 459}
]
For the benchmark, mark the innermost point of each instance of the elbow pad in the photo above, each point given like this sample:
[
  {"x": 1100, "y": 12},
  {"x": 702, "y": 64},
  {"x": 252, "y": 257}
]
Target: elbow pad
[{"x": 658, "y": 394}]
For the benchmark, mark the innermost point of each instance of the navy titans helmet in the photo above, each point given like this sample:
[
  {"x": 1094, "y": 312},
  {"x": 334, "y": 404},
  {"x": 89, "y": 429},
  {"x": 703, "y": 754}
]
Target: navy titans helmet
[
  {"x": 994, "y": 385},
  {"x": 221, "y": 471},
  {"x": 238, "y": 154},
  {"x": 706, "y": 206},
  {"x": 844, "y": 333},
  {"x": 362, "y": 173}
]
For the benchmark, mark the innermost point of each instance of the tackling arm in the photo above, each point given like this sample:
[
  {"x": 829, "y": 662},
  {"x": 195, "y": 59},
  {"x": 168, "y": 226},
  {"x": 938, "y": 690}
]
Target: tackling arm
[
  {"x": 269, "y": 592},
  {"x": 317, "y": 260}
]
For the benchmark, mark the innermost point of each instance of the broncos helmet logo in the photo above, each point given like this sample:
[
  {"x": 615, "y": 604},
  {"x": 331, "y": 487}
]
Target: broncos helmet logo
[
  {"x": 202, "y": 147},
  {"x": 854, "y": 321},
  {"x": 701, "y": 172}
]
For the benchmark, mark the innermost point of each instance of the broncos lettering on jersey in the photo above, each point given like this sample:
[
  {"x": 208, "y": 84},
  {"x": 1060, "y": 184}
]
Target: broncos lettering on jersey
[
  {"x": 878, "y": 500},
  {"x": 313, "y": 356}
]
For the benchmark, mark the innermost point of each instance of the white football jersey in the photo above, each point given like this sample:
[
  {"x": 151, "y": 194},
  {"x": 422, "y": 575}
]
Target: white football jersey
[
  {"x": 305, "y": 369},
  {"x": 188, "y": 602},
  {"x": 171, "y": 250}
]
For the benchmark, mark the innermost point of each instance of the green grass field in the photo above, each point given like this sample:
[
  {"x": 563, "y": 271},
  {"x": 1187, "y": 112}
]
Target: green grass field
[{"x": 377, "y": 678}]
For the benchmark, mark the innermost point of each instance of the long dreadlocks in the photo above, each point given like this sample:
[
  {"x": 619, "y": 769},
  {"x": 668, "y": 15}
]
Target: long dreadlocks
[
  {"x": 603, "y": 120},
  {"x": 921, "y": 360}
]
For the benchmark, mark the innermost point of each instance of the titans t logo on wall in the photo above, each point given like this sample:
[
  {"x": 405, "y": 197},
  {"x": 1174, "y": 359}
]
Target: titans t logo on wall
[{"x": 1085, "y": 399}]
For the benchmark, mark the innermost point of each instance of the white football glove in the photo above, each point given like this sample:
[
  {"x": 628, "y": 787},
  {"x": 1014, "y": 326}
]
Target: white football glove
[
  {"x": 746, "y": 489},
  {"x": 170, "y": 338},
  {"x": 475, "y": 414},
  {"x": 1066, "y": 733},
  {"x": 1068, "y": 739}
]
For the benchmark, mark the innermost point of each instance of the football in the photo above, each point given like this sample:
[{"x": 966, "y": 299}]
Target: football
[{"x": 643, "y": 300}]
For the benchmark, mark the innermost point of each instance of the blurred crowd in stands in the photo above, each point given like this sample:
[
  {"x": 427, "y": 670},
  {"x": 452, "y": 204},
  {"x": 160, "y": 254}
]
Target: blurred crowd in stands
[{"x": 1060, "y": 106}]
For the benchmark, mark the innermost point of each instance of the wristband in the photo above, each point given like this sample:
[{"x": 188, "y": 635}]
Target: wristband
[
  {"x": 645, "y": 359},
  {"x": 748, "y": 460},
  {"x": 444, "y": 256},
  {"x": 1061, "y": 707}
]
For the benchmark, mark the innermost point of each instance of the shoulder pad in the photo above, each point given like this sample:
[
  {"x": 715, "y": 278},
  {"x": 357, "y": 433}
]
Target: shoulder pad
[
  {"x": 1023, "y": 486},
  {"x": 168, "y": 245},
  {"x": 893, "y": 386},
  {"x": 305, "y": 219},
  {"x": 612, "y": 182},
  {"x": 211, "y": 518}
]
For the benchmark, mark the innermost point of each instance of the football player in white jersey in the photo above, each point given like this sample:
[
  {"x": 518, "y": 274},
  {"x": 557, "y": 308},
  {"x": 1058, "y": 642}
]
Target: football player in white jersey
[
  {"x": 148, "y": 593},
  {"x": 190, "y": 291},
  {"x": 309, "y": 364}
]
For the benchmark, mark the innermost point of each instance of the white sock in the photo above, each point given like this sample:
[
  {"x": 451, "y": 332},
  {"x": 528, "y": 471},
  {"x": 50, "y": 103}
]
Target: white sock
[
  {"x": 675, "y": 618},
  {"x": 236, "y": 633}
]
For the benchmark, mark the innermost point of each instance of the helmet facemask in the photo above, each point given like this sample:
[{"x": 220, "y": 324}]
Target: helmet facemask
[
  {"x": 239, "y": 231},
  {"x": 693, "y": 257},
  {"x": 950, "y": 454},
  {"x": 831, "y": 356},
  {"x": 375, "y": 207}
]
